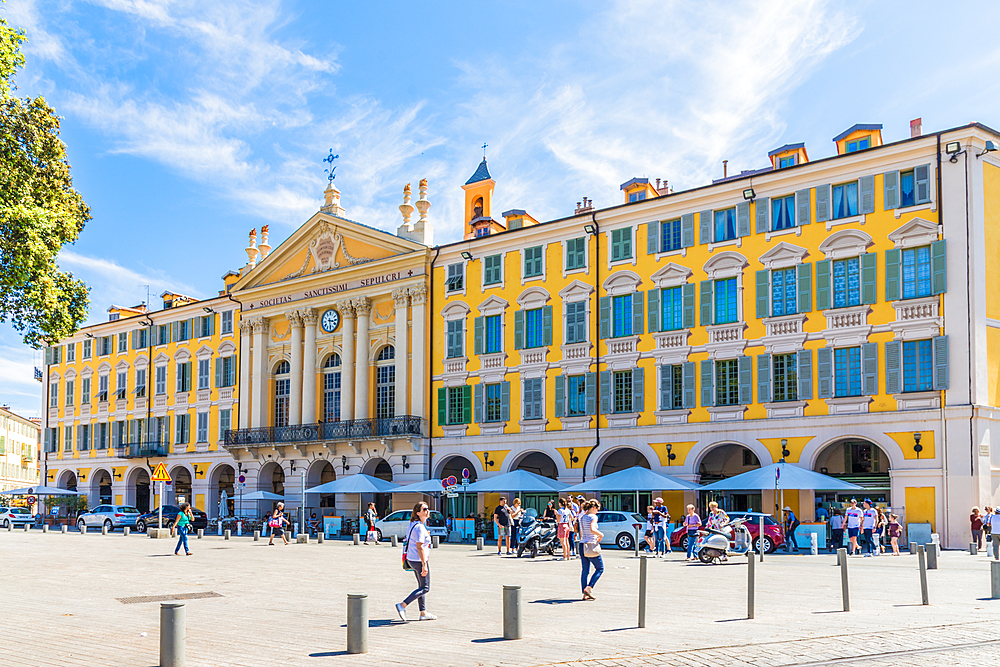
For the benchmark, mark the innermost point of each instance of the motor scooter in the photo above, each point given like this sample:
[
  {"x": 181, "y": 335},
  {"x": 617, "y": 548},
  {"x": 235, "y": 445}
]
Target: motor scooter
[
  {"x": 536, "y": 535},
  {"x": 714, "y": 546}
]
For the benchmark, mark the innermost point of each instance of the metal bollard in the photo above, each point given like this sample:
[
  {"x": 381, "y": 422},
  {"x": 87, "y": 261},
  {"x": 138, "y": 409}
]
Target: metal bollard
[
  {"x": 479, "y": 543},
  {"x": 637, "y": 545},
  {"x": 226, "y": 533},
  {"x": 256, "y": 536},
  {"x": 973, "y": 549},
  {"x": 844, "y": 587},
  {"x": 435, "y": 540},
  {"x": 913, "y": 548},
  {"x": 760, "y": 538},
  {"x": 931, "y": 551},
  {"x": 83, "y": 529},
  {"x": 126, "y": 531},
  {"x": 642, "y": 591},
  {"x": 104, "y": 530},
  {"x": 995, "y": 579},
  {"x": 27, "y": 527},
  {"x": 813, "y": 544},
  {"x": 394, "y": 542},
  {"x": 512, "y": 612},
  {"x": 65, "y": 529},
  {"x": 751, "y": 565},
  {"x": 357, "y": 623},
  {"x": 239, "y": 528},
  {"x": 295, "y": 530},
  {"x": 922, "y": 559},
  {"x": 45, "y": 527},
  {"x": 357, "y": 539},
  {"x": 320, "y": 536},
  {"x": 218, "y": 529},
  {"x": 10, "y": 527},
  {"x": 172, "y": 634},
  {"x": 201, "y": 533}
]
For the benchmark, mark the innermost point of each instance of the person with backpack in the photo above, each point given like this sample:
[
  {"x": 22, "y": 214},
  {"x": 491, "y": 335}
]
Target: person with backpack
[
  {"x": 791, "y": 523},
  {"x": 416, "y": 552},
  {"x": 277, "y": 524}
]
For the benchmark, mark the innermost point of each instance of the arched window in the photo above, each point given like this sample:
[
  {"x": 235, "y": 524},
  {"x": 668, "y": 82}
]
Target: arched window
[
  {"x": 282, "y": 385},
  {"x": 331, "y": 388},
  {"x": 385, "y": 383}
]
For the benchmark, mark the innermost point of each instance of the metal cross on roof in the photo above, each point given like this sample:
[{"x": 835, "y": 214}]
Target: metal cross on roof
[
  {"x": 330, "y": 158},
  {"x": 484, "y": 150}
]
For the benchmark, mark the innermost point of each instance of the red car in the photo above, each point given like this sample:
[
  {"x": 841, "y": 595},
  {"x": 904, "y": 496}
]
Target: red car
[{"x": 773, "y": 537}]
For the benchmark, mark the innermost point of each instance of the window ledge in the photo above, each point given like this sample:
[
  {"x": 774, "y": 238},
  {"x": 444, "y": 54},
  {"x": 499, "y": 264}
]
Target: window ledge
[
  {"x": 533, "y": 425},
  {"x": 732, "y": 243},
  {"x": 917, "y": 318},
  {"x": 918, "y": 400},
  {"x": 916, "y": 207},
  {"x": 848, "y": 405},
  {"x": 677, "y": 416},
  {"x": 785, "y": 333},
  {"x": 796, "y": 230},
  {"x": 533, "y": 356},
  {"x": 671, "y": 347},
  {"x": 621, "y": 353},
  {"x": 576, "y": 422},
  {"x": 492, "y": 367},
  {"x": 622, "y": 419},
  {"x": 781, "y": 409},
  {"x": 622, "y": 262},
  {"x": 847, "y": 326},
  {"x": 726, "y": 413},
  {"x": 830, "y": 224},
  {"x": 530, "y": 279},
  {"x": 492, "y": 428},
  {"x": 680, "y": 252},
  {"x": 454, "y": 430},
  {"x": 726, "y": 340}
]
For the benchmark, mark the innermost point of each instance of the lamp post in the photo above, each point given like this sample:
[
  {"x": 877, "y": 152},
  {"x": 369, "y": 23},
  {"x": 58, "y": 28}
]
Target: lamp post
[{"x": 917, "y": 447}]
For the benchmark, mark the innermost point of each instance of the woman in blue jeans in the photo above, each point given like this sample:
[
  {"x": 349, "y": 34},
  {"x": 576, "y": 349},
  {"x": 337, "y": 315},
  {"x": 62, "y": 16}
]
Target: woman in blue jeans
[
  {"x": 692, "y": 522},
  {"x": 181, "y": 523},
  {"x": 590, "y": 548}
]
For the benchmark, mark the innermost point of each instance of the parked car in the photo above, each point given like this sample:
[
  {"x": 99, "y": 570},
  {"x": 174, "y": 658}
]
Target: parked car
[
  {"x": 112, "y": 516},
  {"x": 619, "y": 528},
  {"x": 170, "y": 512},
  {"x": 15, "y": 516},
  {"x": 397, "y": 523},
  {"x": 773, "y": 537}
]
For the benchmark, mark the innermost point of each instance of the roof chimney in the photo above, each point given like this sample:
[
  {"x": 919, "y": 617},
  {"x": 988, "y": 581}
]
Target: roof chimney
[
  {"x": 916, "y": 127},
  {"x": 725, "y": 168},
  {"x": 587, "y": 207}
]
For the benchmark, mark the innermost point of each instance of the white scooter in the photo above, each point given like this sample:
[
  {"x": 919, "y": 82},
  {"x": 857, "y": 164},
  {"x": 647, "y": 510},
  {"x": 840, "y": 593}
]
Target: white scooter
[{"x": 714, "y": 546}]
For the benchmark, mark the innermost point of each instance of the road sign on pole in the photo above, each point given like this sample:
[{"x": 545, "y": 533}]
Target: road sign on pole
[{"x": 160, "y": 473}]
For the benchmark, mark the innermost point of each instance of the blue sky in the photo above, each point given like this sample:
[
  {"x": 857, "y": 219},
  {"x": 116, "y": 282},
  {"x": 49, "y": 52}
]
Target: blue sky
[{"x": 190, "y": 122}]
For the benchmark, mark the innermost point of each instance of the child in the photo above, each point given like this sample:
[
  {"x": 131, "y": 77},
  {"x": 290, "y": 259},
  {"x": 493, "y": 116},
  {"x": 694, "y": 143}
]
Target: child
[{"x": 894, "y": 530}]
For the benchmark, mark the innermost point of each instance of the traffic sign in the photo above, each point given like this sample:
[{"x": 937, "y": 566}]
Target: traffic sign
[
  {"x": 160, "y": 473},
  {"x": 243, "y": 479},
  {"x": 31, "y": 500},
  {"x": 451, "y": 481},
  {"x": 453, "y": 495},
  {"x": 465, "y": 473}
]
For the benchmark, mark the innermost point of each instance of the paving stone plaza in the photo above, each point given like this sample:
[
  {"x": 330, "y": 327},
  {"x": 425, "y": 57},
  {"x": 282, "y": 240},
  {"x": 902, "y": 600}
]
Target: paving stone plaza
[{"x": 287, "y": 605}]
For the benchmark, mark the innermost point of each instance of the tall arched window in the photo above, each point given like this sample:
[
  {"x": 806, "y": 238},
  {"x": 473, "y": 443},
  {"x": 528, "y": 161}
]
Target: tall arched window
[
  {"x": 385, "y": 383},
  {"x": 331, "y": 388},
  {"x": 282, "y": 384}
]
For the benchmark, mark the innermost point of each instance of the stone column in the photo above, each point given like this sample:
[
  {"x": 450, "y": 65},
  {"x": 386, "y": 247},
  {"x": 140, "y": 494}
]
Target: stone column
[
  {"x": 309, "y": 318},
  {"x": 295, "y": 391},
  {"x": 244, "y": 417},
  {"x": 363, "y": 307},
  {"x": 402, "y": 299},
  {"x": 258, "y": 413},
  {"x": 418, "y": 299},
  {"x": 346, "y": 309}
]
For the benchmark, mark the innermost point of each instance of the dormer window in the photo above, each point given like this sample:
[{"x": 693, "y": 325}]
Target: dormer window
[
  {"x": 482, "y": 231},
  {"x": 788, "y": 161},
  {"x": 636, "y": 196},
  {"x": 859, "y": 144}
]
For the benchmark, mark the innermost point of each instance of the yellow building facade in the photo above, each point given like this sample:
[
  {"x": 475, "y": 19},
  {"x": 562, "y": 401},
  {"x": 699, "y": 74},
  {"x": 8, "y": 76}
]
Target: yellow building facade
[{"x": 19, "y": 448}]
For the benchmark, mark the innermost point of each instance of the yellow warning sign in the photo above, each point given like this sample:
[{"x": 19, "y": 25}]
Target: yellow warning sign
[{"x": 160, "y": 473}]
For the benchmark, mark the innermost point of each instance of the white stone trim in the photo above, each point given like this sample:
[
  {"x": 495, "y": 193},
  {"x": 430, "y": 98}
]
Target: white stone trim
[
  {"x": 545, "y": 263},
  {"x": 621, "y": 283},
  {"x": 726, "y": 413},
  {"x": 727, "y": 264},
  {"x": 533, "y": 425},
  {"x": 917, "y": 318},
  {"x": 860, "y": 219},
  {"x": 622, "y": 419},
  {"x": 918, "y": 400},
  {"x": 783, "y": 409},
  {"x": 845, "y": 243},
  {"x": 847, "y": 327},
  {"x": 848, "y": 405},
  {"x": 531, "y": 298},
  {"x": 784, "y": 334},
  {"x": 492, "y": 428},
  {"x": 671, "y": 275},
  {"x": 455, "y": 430},
  {"x": 916, "y": 232},
  {"x": 930, "y": 206},
  {"x": 585, "y": 269},
  {"x": 622, "y": 353},
  {"x": 796, "y": 230},
  {"x": 493, "y": 305},
  {"x": 492, "y": 368},
  {"x": 671, "y": 347},
  {"x": 783, "y": 256},
  {"x": 503, "y": 272},
  {"x": 666, "y": 417},
  {"x": 575, "y": 422}
]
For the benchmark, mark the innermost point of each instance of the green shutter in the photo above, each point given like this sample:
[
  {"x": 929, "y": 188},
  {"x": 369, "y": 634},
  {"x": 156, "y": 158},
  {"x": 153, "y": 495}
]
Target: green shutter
[
  {"x": 866, "y": 195},
  {"x": 479, "y": 344},
  {"x": 939, "y": 267},
  {"x": 48, "y": 356},
  {"x": 940, "y": 354},
  {"x": 606, "y": 397},
  {"x": 762, "y": 208},
  {"x": 706, "y": 302},
  {"x": 688, "y": 384},
  {"x": 764, "y": 378},
  {"x": 666, "y": 387},
  {"x": 705, "y": 227},
  {"x": 893, "y": 376},
  {"x": 560, "y": 396},
  {"x": 822, "y": 203},
  {"x": 804, "y": 362},
  {"x": 745, "y": 367},
  {"x": 763, "y": 294},
  {"x": 803, "y": 287},
  {"x": 687, "y": 230},
  {"x": 687, "y": 297},
  {"x": 590, "y": 396},
  {"x": 652, "y": 237},
  {"x": 467, "y": 404},
  {"x": 892, "y": 274},
  {"x": 922, "y": 184},
  {"x": 211, "y": 325},
  {"x": 478, "y": 404},
  {"x": 824, "y": 370},
  {"x": 616, "y": 245},
  {"x": 605, "y": 308},
  {"x": 823, "y": 285},
  {"x": 869, "y": 274},
  {"x": 174, "y": 331},
  {"x": 653, "y": 308},
  {"x": 546, "y": 325},
  {"x": 743, "y": 219},
  {"x": 637, "y": 314},
  {"x": 518, "y": 329},
  {"x": 442, "y": 406},
  {"x": 890, "y": 190},
  {"x": 218, "y": 372},
  {"x": 707, "y": 383},
  {"x": 626, "y": 242},
  {"x": 638, "y": 390},
  {"x": 869, "y": 368},
  {"x": 505, "y": 401},
  {"x": 803, "y": 208}
]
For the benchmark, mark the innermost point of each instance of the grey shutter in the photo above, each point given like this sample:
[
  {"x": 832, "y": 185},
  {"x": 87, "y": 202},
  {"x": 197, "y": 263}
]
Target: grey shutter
[
  {"x": 605, "y": 308},
  {"x": 652, "y": 237},
  {"x": 477, "y": 403},
  {"x": 705, "y": 227},
  {"x": 638, "y": 390},
  {"x": 869, "y": 274},
  {"x": 518, "y": 329},
  {"x": 590, "y": 395},
  {"x": 653, "y": 308},
  {"x": 606, "y": 398},
  {"x": 822, "y": 203},
  {"x": 211, "y": 325},
  {"x": 707, "y": 383},
  {"x": 803, "y": 208},
  {"x": 688, "y": 384},
  {"x": 666, "y": 387},
  {"x": 922, "y": 184},
  {"x": 803, "y": 288},
  {"x": 218, "y": 372},
  {"x": 637, "y": 313},
  {"x": 626, "y": 243},
  {"x": 687, "y": 305},
  {"x": 505, "y": 401},
  {"x": 804, "y": 362},
  {"x": 546, "y": 325},
  {"x": 939, "y": 267},
  {"x": 743, "y": 219},
  {"x": 869, "y": 368},
  {"x": 706, "y": 302},
  {"x": 893, "y": 378},
  {"x": 866, "y": 188},
  {"x": 763, "y": 209},
  {"x": 940, "y": 353},
  {"x": 479, "y": 325},
  {"x": 745, "y": 365},
  {"x": 687, "y": 230},
  {"x": 890, "y": 190},
  {"x": 764, "y": 378},
  {"x": 763, "y": 289},
  {"x": 823, "y": 285},
  {"x": 174, "y": 331},
  {"x": 48, "y": 356},
  {"x": 824, "y": 369},
  {"x": 892, "y": 274},
  {"x": 560, "y": 396}
]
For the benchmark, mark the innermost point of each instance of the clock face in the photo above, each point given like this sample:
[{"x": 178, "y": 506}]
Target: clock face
[{"x": 330, "y": 320}]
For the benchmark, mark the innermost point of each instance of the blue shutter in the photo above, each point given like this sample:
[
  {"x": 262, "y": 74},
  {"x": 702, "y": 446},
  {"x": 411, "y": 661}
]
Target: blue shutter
[
  {"x": 560, "y": 396},
  {"x": 823, "y": 295},
  {"x": 606, "y": 397},
  {"x": 687, "y": 230},
  {"x": 637, "y": 314},
  {"x": 940, "y": 353},
  {"x": 745, "y": 365},
  {"x": 467, "y": 404},
  {"x": 477, "y": 405},
  {"x": 653, "y": 308},
  {"x": 922, "y": 184},
  {"x": 890, "y": 190},
  {"x": 505, "y": 401},
  {"x": 869, "y": 368},
  {"x": 518, "y": 329},
  {"x": 866, "y": 187},
  {"x": 803, "y": 287},
  {"x": 939, "y": 267},
  {"x": 893, "y": 378},
  {"x": 652, "y": 237},
  {"x": 707, "y": 383},
  {"x": 763, "y": 210},
  {"x": 687, "y": 297},
  {"x": 764, "y": 378},
  {"x": 824, "y": 369},
  {"x": 590, "y": 396},
  {"x": 869, "y": 274},
  {"x": 546, "y": 325},
  {"x": 666, "y": 387},
  {"x": 218, "y": 372},
  {"x": 605, "y": 308},
  {"x": 763, "y": 290},
  {"x": 706, "y": 302},
  {"x": 705, "y": 227},
  {"x": 822, "y": 203},
  {"x": 638, "y": 390},
  {"x": 174, "y": 331},
  {"x": 892, "y": 274},
  {"x": 803, "y": 208},
  {"x": 743, "y": 219},
  {"x": 688, "y": 384}
]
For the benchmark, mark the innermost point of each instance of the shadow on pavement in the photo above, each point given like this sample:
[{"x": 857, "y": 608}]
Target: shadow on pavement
[
  {"x": 554, "y": 601},
  {"x": 328, "y": 654},
  {"x": 488, "y": 640},
  {"x": 382, "y": 623}
]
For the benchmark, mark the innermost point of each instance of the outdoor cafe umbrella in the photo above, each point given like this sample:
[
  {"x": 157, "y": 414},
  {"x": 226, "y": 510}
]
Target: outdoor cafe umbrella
[
  {"x": 426, "y": 486},
  {"x": 42, "y": 491},
  {"x": 360, "y": 483},
  {"x": 518, "y": 480},
  {"x": 257, "y": 495},
  {"x": 223, "y": 504},
  {"x": 635, "y": 479}
]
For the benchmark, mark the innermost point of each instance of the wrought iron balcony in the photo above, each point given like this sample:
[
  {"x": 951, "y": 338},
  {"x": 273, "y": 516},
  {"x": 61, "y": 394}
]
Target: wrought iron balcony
[
  {"x": 404, "y": 426},
  {"x": 146, "y": 448}
]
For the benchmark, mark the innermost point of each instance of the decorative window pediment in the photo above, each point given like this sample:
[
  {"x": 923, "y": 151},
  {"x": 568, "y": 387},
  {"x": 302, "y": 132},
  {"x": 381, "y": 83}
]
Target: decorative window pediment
[
  {"x": 533, "y": 297},
  {"x": 671, "y": 275},
  {"x": 227, "y": 348},
  {"x": 845, "y": 243},
  {"x": 182, "y": 355},
  {"x": 576, "y": 291},
  {"x": 104, "y": 368},
  {"x": 122, "y": 365},
  {"x": 916, "y": 232},
  {"x": 493, "y": 306},
  {"x": 622, "y": 282},
  {"x": 54, "y": 377},
  {"x": 725, "y": 265},
  {"x": 783, "y": 256},
  {"x": 456, "y": 310},
  {"x": 160, "y": 359},
  {"x": 87, "y": 372},
  {"x": 203, "y": 352},
  {"x": 70, "y": 373},
  {"x": 141, "y": 362}
]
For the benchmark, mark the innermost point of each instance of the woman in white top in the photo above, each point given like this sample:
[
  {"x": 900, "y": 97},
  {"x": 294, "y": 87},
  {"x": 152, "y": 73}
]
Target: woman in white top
[
  {"x": 563, "y": 528},
  {"x": 590, "y": 548},
  {"x": 516, "y": 512},
  {"x": 418, "y": 549}
]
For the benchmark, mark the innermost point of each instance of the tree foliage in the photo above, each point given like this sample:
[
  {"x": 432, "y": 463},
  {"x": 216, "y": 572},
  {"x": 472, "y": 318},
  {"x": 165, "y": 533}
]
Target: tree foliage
[{"x": 39, "y": 212}]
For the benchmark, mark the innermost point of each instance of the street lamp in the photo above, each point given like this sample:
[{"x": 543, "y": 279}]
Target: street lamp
[
  {"x": 784, "y": 449},
  {"x": 670, "y": 456},
  {"x": 343, "y": 462},
  {"x": 486, "y": 461},
  {"x": 572, "y": 459},
  {"x": 917, "y": 447}
]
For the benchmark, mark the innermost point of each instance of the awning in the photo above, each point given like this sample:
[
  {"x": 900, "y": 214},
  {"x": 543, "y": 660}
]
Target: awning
[
  {"x": 359, "y": 483},
  {"x": 426, "y": 486},
  {"x": 781, "y": 476},
  {"x": 636, "y": 478},
  {"x": 518, "y": 480},
  {"x": 42, "y": 491}
]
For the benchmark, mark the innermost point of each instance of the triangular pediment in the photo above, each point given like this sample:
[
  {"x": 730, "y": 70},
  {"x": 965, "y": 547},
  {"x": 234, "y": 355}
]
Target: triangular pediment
[
  {"x": 915, "y": 232},
  {"x": 576, "y": 291},
  {"x": 671, "y": 275},
  {"x": 783, "y": 255}
]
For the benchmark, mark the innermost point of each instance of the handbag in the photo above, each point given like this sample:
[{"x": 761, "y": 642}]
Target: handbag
[
  {"x": 406, "y": 563},
  {"x": 591, "y": 550}
]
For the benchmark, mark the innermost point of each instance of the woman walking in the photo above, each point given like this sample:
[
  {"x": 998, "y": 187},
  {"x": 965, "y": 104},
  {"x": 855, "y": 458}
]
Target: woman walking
[
  {"x": 977, "y": 527},
  {"x": 692, "y": 522},
  {"x": 181, "y": 523},
  {"x": 880, "y": 525},
  {"x": 563, "y": 527},
  {"x": 371, "y": 516},
  {"x": 277, "y": 524},
  {"x": 417, "y": 550},
  {"x": 894, "y": 530},
  {"x": 590, "y": 548},
  {"x": 515, "y": 522}
]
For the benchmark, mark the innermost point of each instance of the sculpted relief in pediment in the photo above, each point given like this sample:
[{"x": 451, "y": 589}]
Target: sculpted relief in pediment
[{"x": 326, "y": 250}]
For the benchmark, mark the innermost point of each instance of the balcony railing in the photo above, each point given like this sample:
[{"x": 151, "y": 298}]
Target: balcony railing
[
  {"x": 134, "y": 450},
  {"x": 404, "y": 426}
]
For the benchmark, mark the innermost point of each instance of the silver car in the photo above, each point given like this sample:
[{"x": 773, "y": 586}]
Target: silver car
[
  {"x": 15, "y": 516},
  {"x": 112, "y": 516},
  {"x": 398, "y": 523}
]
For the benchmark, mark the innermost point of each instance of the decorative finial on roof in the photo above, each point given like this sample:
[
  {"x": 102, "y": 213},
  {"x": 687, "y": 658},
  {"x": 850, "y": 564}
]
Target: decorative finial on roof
[
  {"x": 330, "y": 158},
  {"x": 484, "y": 150}
]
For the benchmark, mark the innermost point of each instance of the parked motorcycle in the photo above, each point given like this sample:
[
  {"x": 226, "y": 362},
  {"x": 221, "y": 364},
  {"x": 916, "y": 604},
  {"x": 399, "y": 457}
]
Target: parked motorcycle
[
  {"x": 714, "y": 546},
  {"x": 536, "y": 535}
]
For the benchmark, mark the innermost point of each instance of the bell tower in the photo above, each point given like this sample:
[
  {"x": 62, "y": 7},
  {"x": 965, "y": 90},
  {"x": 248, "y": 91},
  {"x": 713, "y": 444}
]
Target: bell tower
[{"x": 479, "y": 203}]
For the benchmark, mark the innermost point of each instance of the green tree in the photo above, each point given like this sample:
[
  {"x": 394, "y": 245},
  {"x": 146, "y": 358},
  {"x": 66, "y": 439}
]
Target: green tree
[{"x": 39, "y": 212}]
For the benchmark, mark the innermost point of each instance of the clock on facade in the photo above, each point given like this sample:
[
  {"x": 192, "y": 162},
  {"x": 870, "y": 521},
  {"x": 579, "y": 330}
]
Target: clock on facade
[{"x": 330, "y": 320}]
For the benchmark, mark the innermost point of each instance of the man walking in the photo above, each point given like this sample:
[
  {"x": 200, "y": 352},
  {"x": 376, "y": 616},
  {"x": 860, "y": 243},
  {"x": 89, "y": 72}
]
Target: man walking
[
  {"x": 791, "y": 523},
  {"x": 854, "y": 516},
  {"x": 837, "y": 530},
  {"x": 660, "y": 518},
  {"x": 501, "y": 518},
  {"x": 870, "y": 518}
]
